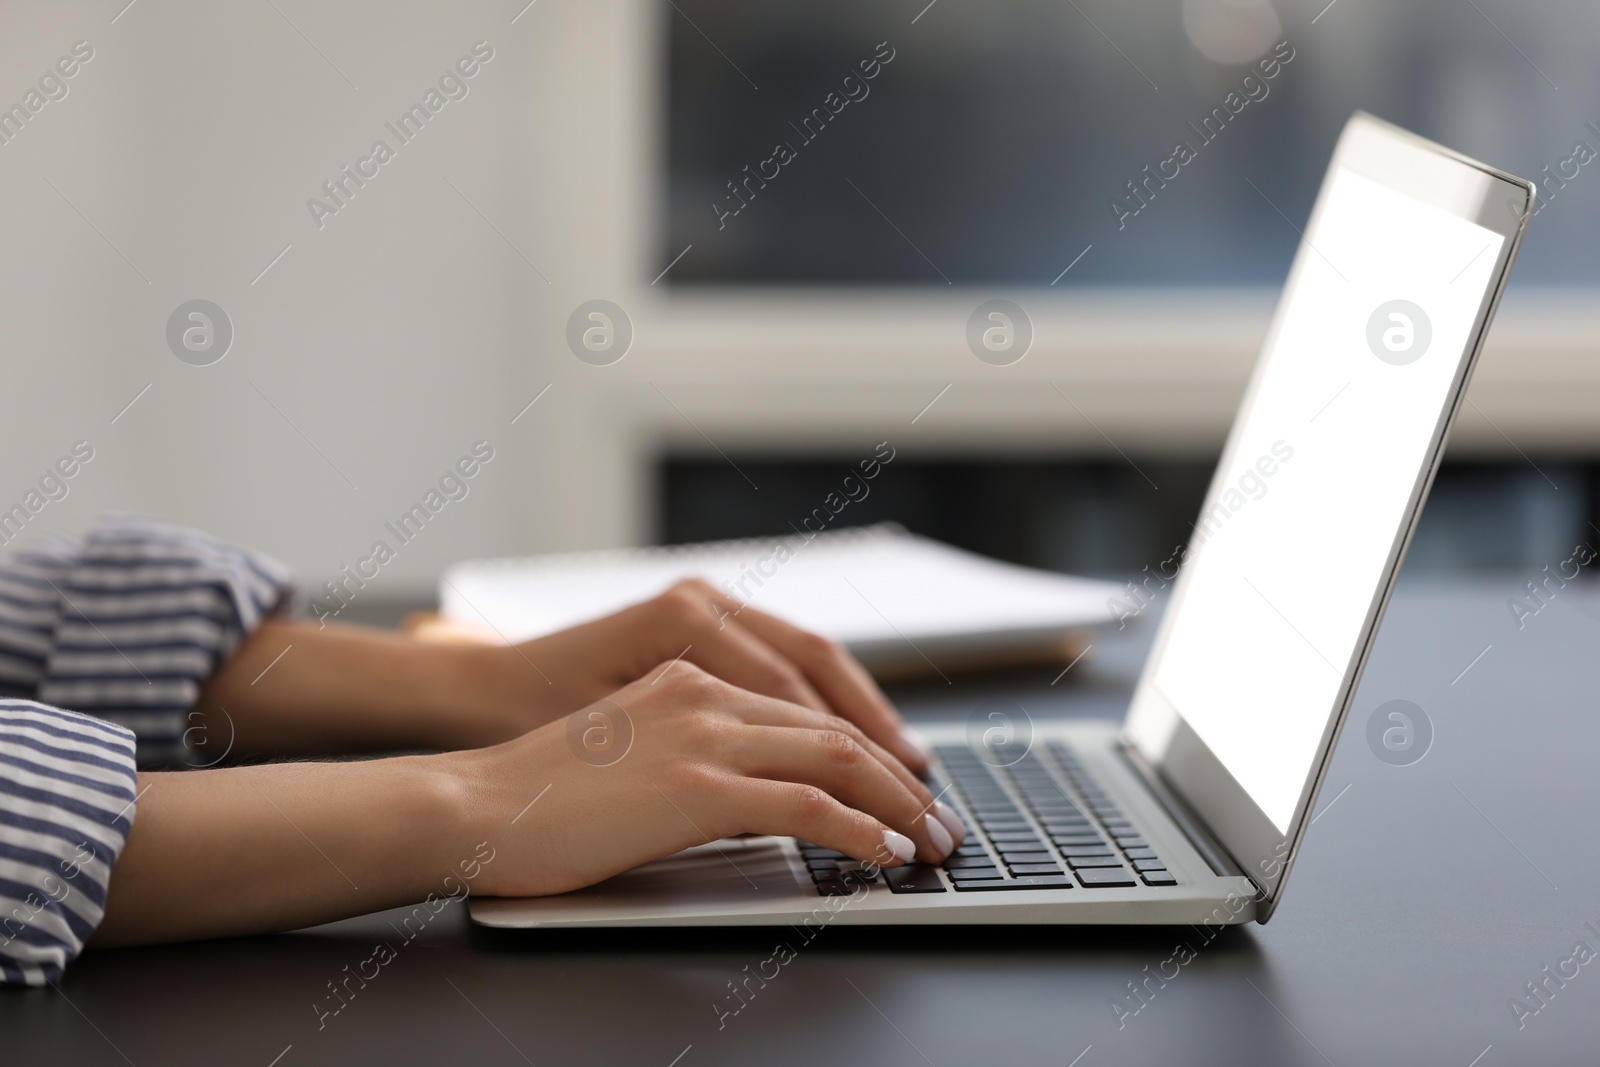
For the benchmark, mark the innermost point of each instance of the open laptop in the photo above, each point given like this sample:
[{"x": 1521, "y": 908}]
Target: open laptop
[{"x": 1194, "y": 810}]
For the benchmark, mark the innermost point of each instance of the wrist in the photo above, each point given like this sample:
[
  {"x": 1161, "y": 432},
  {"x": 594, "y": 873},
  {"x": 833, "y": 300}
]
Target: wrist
[
  {"x": 487, "y": 697},
  {"x": 445, "y": 804},
  {"x": 466, "y": 810}
]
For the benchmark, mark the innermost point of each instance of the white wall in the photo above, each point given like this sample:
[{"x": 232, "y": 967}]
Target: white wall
[{"x": 408, "y": 326}]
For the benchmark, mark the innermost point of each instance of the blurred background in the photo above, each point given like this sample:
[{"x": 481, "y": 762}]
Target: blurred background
[{"x": 788, "y": 311}]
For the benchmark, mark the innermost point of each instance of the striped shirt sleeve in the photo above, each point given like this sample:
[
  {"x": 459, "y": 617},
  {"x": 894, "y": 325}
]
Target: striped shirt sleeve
[
  {"x": 128, "y": 624},
  {"x": 29, "y": 610},
  {"x": 67, "y": 785}
]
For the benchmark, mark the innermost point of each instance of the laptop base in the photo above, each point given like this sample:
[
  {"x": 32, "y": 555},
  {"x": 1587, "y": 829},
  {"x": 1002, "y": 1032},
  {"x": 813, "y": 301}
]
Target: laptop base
[{"x": 765, "y": 881}]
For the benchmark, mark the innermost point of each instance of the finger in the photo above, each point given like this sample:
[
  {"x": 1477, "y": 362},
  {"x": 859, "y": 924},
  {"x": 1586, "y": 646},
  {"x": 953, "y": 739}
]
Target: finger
[
  {"x": 758, "y": 711},
  {"x": 692, "y": 612},
  {"x": 740, "y": 658},
  {"x": 833, "y": 760},
  {"x": 837, "y": 676},
  {"x": 788, "y": 809}
]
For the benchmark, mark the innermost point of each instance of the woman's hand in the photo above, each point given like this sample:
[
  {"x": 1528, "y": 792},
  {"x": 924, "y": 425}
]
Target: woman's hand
[
  {"x": 694, "y": 759},
  {"x": 285, "y": 845},
  {"x": 294, "y": 687},
  {"x": 695, "y": 623}
]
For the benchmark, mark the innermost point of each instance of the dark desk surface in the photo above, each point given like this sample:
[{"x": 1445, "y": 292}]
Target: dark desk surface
[{"x": 1426, "y": 898}]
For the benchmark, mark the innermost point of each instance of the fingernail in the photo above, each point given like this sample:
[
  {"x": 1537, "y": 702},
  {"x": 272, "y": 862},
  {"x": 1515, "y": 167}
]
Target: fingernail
[
  {"x": 917, "y": 741},
  {"x": 951, "y": 820},
  {"x": 901, "y": 846},
  {"x": 938, "y": 836}
]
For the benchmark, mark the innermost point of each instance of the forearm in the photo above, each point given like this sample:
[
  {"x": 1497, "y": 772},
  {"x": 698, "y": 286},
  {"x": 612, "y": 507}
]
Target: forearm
[
  {"x": 294, "y": 688},
  {"x": 256, "y": 849}
]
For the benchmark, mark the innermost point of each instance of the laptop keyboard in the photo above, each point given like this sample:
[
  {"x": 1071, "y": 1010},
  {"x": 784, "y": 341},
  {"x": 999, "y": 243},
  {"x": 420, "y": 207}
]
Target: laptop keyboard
[{"x": 1039, "y": 823}]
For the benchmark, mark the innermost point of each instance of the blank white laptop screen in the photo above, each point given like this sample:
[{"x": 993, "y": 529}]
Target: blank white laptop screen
[{"x": 1284, "y": 566}]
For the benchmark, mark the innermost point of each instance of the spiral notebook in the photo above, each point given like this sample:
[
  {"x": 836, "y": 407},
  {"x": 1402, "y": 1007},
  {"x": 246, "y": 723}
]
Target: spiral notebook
[{"x": 903, "y": 604}]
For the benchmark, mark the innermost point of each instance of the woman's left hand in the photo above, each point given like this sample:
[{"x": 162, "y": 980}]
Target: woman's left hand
[{"x": 543, "y": 679}]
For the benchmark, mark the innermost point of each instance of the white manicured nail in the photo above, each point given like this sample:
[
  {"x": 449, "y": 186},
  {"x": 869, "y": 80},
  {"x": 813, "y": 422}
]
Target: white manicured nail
[
  {"x": 902, "y": 847},
  {"x": 938, "y": 836},
  {"x": 917, "y": 741},
  {"x": 951, "y": 820}
]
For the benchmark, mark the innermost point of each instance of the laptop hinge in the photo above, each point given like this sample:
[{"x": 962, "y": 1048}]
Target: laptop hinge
[{"x": 1210, "y": 849}]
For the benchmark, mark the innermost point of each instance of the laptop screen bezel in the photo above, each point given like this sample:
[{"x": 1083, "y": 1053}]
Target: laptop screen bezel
[{"x": 1154, "y": 728}]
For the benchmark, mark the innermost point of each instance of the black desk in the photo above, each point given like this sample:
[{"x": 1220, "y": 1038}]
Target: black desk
[{"x": 1426, "y": 897}]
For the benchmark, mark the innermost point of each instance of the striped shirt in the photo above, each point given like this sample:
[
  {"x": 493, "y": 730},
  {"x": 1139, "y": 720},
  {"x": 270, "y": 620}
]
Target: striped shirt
[{"x": 123, "y": 627}]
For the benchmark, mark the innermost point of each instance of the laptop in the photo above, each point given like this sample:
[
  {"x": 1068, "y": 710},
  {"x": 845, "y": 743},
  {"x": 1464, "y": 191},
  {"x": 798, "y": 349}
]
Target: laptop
[{"x": 1193, "y": 810}]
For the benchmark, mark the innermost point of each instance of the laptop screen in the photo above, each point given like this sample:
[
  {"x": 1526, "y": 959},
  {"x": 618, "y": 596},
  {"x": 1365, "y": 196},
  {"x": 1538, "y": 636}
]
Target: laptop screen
[{"x": 1301, "y": 523}]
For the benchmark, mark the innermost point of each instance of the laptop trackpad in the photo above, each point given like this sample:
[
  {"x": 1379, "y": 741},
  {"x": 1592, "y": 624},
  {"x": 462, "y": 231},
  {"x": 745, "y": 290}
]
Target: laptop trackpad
[
  {"x": 729, "y": 876},
  {"x": 734, "y": 870}
]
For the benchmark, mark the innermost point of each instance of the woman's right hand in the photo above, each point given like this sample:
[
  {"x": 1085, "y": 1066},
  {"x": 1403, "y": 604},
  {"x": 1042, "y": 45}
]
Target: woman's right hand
[{"x": 679, "y": 758}]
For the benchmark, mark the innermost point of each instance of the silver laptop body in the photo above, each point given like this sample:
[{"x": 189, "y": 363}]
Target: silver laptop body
[{"x": 1199, "y": 802}]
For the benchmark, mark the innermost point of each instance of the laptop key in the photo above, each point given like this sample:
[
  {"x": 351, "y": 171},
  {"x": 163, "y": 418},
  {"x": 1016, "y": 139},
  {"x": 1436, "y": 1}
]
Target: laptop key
[
  {"x": 1097, "y": 849},
  {"x": 1158, "y": 878},
  {"x": 956, "y": 862},
  {"x": 913, "y": 878},
  {"x": 974, "y": 874},
  {"x": 1105, "y": 877},
  {"x": 833, "y": 889},
  {"x": 1035, "y": 868},
  {"x": 998, "y": 836},
  {"x": 1107, "y": 860},
  {"x": 1140, "y": 853},
  {"x": 1149, "y": 865},
  {"x": 1037, "y": 881},
  {"x": 1079, "y": 840}
]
